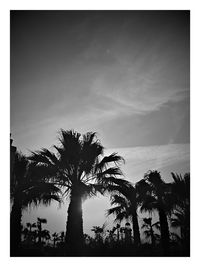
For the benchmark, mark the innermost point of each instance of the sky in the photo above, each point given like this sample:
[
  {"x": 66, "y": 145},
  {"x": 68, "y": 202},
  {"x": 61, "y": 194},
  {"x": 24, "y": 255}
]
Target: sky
[{"x": 122, "y": 74}]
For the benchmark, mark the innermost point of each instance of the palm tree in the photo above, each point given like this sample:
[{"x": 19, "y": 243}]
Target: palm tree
[
  {"x": 125, "y": 198},
  {"x": 55, "y": 238},
  {"x": 99, "y": 232},
  {"x": 155, "y": 194},
  {"x": 27, "y": 188},
  {"x": 80, "y": 167},
  {"x": 62, "y": 236},
  {"x": 111, "y": 235},
  {"x": 45, "y": 235},
  {"x": 30, "y": 226},
  {"x": 40, "y": 221},
  {"x": 149, "y": 232},
  {"x": 181, "y": 213},
  {"x": 28, "y": 233}
]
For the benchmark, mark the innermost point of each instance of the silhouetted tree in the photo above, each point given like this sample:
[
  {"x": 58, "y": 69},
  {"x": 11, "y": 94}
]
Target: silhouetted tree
[
  {"x": 30, "y": 226},
  {"x": 26, "y": 188},
  {"x": 126, "y": 201},
  {"x": 62, "y": 236},
  {"x": 181, "y": 214},
  {"x": 155, "y": 194},
  {"x": 55, "y": 238},
  {"x": 99, "y": 232},
  {"x": 29, "y": 235},
  {"x": 80, "y": 168},
  {"x": 40, "y": 221}
]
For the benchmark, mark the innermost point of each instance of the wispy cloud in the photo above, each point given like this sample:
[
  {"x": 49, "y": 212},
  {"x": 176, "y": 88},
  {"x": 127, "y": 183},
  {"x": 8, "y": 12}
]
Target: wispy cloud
[
  {"x": 136, "y": 93},
  {"x": 141, "y": 159}
]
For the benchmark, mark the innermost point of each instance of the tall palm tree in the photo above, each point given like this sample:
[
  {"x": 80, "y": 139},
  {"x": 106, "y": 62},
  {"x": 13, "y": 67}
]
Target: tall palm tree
[
  {"x": 125, "y": 198},
  {"x": 79, "y": 166},
  {"x": 155, "y": 194},
  {"x": 27, "y": 188},
  {"x": 181, "y": 213}
]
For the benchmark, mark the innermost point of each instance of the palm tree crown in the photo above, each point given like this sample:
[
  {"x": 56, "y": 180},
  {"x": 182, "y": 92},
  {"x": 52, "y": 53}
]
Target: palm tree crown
[
  {"x": 125, "y": 198},
  {"x": 155, "y": 194},
  {"x": 81, "y": 169}
]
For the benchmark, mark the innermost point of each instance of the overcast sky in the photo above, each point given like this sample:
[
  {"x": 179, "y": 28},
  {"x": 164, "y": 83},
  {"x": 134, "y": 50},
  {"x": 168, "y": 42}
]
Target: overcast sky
[{"x": 122, "y": 74}]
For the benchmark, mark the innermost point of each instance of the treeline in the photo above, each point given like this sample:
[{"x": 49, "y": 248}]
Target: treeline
[{"x": 77, "y": 170}]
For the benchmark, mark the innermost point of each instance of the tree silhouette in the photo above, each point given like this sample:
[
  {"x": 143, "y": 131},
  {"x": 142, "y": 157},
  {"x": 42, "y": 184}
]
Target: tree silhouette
[
  {"x": 181, "y": 213},
  {"x": 155, "y": 194},
  {"x": 125, "y": 196},
  {"x": 55, "y": 238},
  {"x": 99, "y": 233},
  {"x": 30, "y": 226},
  {"x": 40, "y": 221},
  {"x": 27, "y": 187},
  {"x": 62, "y": 236},
  {"x": 80, "y": 167}
]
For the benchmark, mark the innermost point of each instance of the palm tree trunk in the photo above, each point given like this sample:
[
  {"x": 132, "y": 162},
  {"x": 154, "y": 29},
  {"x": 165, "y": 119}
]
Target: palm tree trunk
[
  {"x": 153, "y": 241},
  {"x": 74, "y": 228},
  {"x": 164, "y": 229},
  {"x": 15, "y": 227},
  {"x": 136, "y": 230}
]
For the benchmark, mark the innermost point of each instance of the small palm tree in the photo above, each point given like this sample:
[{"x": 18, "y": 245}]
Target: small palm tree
[
  {"x": 40, "y": 221},
  {"x": 111, "y": 233},
  {"x": 99, "y": 233},
  {"x": 30, "y": 226},
  {"x": 45, "y": 235},
  {"x": 28, "y": 233},
  {"x": 55, "y": 238},
  {"x": 62, "y": 236},
  {"x": 81, "y": 169}
]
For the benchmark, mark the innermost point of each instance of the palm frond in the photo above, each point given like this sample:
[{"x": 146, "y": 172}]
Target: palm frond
[
  {"x": 114, "y": 211},
  {"x": 117, "y": 199},
  {"x": 113, "y": 158}
]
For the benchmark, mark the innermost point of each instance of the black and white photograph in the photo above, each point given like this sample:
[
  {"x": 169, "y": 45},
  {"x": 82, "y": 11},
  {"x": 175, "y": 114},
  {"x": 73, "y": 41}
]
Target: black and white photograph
[{"x": 99, "y": 133}]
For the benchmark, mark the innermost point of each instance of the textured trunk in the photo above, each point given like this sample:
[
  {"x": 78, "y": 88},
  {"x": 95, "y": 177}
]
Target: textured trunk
[
  {"x": 164, "y": 229},
  {"x": 136, "y": 230},
  {"x": 74, "y": 229},
  {"x": 15, "y": 227}
]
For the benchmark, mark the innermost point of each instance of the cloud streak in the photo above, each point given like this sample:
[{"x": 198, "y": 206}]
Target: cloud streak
[{"x": 141, "y": 159}]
